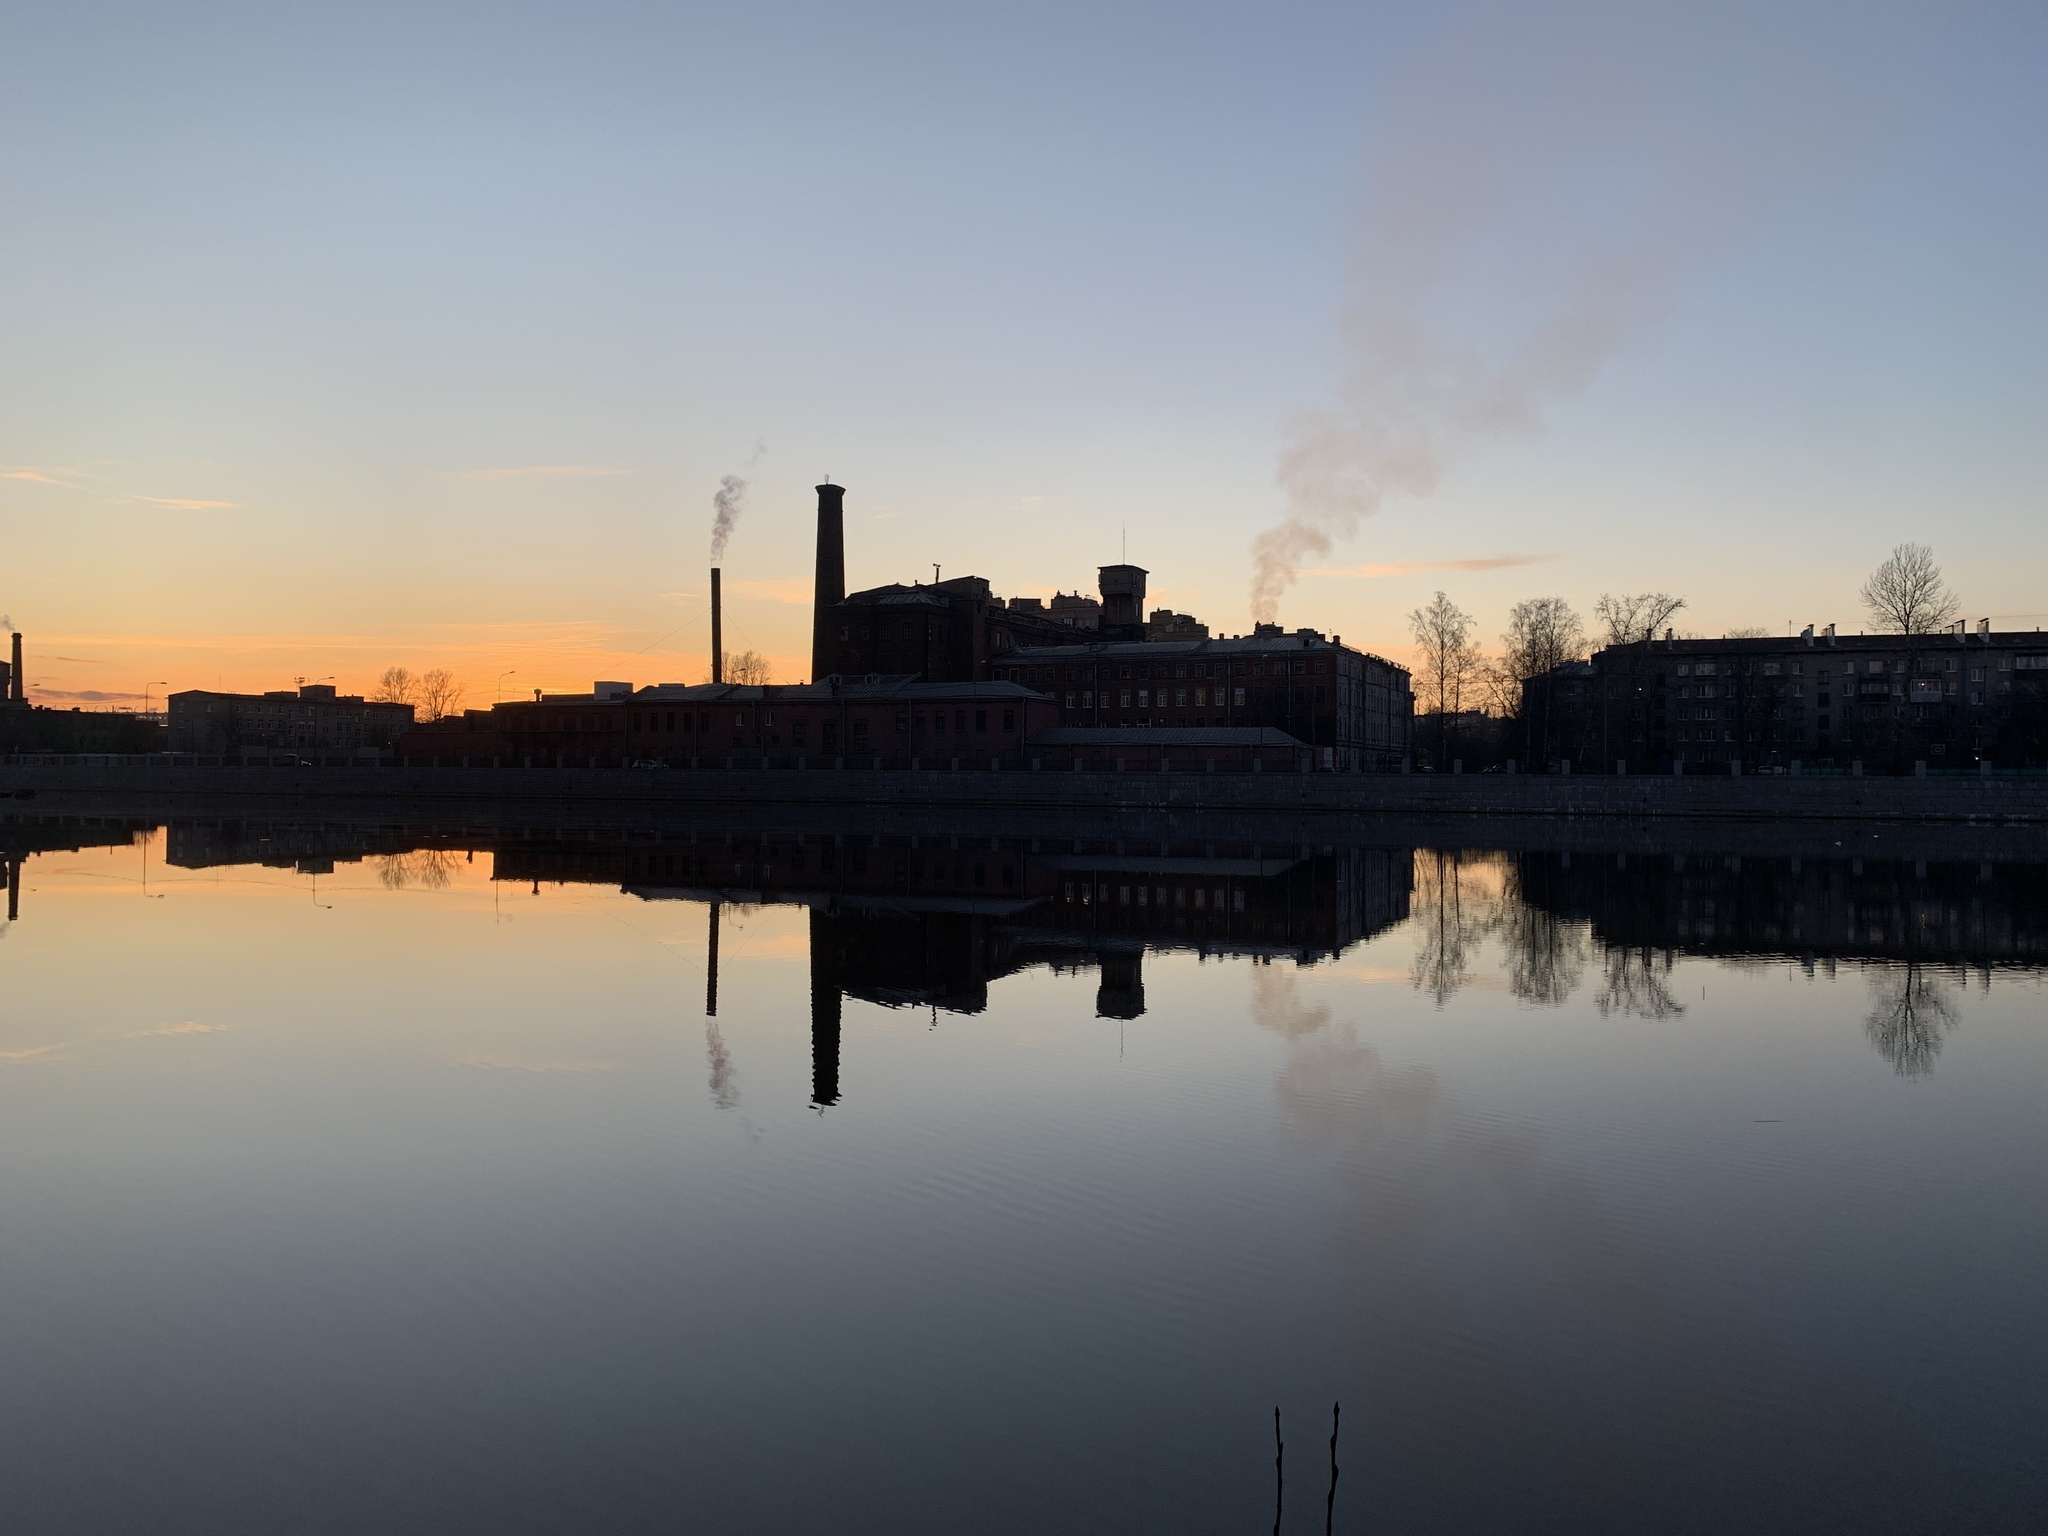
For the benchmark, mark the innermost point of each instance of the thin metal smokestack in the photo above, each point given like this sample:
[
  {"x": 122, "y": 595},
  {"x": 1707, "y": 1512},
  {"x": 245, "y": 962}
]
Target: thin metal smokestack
[
  {"x": 717, "y": 630},
  {"x": 16, "y": 686},
  {"x": 828, "y": 589}
]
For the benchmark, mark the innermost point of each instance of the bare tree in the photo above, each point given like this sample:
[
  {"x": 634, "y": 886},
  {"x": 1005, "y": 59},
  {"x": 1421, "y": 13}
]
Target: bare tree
[
  {"x": 1911, "y": 1013},
  {"x": 1907, "y": 596},
  {"x": 749, "y": 667},
  {"x": 1543, "y": 633},
  {"x": 396, "y": 686},
  {"x": 1633, "y": 618},
  {"x": 1450, "y": 661},
  {"x": 1748, "y": 632},
  {"x": 438, "y": 692}
]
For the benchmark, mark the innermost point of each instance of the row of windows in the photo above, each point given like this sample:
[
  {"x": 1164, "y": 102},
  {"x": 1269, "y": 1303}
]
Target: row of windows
[
  {"x": 1088, "y": 894},
  {"x": 1161, "y": 670}
]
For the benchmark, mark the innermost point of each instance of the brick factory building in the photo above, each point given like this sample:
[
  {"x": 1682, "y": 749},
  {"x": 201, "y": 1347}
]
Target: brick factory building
[{"x": 1113, "y": 669}]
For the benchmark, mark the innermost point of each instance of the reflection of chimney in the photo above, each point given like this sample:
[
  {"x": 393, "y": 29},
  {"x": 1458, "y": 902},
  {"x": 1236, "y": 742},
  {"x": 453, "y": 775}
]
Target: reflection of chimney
[
  {"x": 717, "y": 634},
  {"x": 828, "y": 587},
  {"x": 711, "y": 968},
  {"x": 1121, "y": 994},
  {"x": 824, "y": 1012},
  {"x": 14, "y": 888}
]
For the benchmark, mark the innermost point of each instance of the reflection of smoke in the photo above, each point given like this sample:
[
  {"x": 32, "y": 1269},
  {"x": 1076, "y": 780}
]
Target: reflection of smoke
[
  {"x": 1912, "y": 1011},
  {"x": 1541, "y": 174},
  {"x": 1635, "y": 985},
  {"x": 727, "y": 503},
  {"x": 1524, "y": 1357},
  {"x": 725, "y": 1091},
  {"x": 1277, "y": 1004}
]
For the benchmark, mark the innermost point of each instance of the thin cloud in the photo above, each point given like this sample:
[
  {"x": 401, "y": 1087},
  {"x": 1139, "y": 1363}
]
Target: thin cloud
[
  {"x": 527, "y": 1064},
  {"x": 1373, "y": 570},
  {"x": 541, "y": 471},
  {"x": 79, "y": 661},
  {"x": 189, "y": 1027},
  {"x": 185, "y": 503},
  {"x": 35, "y": 477},
  {"x": 84, "y": 695}
]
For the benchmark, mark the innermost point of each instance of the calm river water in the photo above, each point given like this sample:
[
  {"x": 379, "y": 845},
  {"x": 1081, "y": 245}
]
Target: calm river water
[{"x": 365, "y": 1178}]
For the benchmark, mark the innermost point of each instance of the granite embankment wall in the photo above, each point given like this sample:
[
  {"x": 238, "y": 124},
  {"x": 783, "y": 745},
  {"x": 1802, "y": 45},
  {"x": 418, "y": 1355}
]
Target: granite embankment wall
[{"x": 2007, "y": 800}]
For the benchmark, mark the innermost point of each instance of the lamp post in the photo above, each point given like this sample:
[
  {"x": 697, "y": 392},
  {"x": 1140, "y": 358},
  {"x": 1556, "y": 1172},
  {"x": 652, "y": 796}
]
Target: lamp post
[
  {"x": 159, "y": 683},
  {"x": 498, "y": 693}
]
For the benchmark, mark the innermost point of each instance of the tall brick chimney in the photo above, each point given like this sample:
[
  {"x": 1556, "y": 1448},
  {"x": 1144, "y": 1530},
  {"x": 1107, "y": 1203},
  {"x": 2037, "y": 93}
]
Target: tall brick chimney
[
  {"x": 828, "y": 588},
  {"x": 717, "y": 630},
  {"x": 17, "y": 685}
]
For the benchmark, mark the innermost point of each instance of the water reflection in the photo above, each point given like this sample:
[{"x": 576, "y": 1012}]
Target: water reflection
[
  {"x": 1549, "y": 1306},
  {"x": 906, "y": 919}
]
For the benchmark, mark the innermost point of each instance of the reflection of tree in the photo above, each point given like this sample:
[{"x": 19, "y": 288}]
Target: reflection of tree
[
  {"x": 1634, "y": 985},
  {"x": 428, "y": 867},
  {"x": 1546, "y": 953},
  {"x": 1912, "y": 1010},
  {"x": 1459, "y": 899}
]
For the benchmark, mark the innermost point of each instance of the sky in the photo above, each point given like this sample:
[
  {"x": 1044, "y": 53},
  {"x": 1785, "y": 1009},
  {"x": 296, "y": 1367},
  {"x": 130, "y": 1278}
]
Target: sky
[{"x": 341, "y": 337}]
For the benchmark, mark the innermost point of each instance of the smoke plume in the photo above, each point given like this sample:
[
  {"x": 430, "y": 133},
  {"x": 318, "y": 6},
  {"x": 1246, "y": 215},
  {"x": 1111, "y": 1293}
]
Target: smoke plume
[
  {"x": 1537, "y": 177},
  {"x": 729, "y": 501}
]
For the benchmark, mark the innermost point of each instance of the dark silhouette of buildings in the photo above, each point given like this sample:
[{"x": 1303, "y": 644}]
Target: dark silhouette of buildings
[
  {"x": 313, "y": 721},
  {"x": 1819, "y": 699}
]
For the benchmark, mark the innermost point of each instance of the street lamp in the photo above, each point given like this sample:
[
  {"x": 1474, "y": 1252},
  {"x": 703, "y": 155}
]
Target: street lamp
[
  {"x": 498, "y": 693},
  {"x": 159, "y": 683}
]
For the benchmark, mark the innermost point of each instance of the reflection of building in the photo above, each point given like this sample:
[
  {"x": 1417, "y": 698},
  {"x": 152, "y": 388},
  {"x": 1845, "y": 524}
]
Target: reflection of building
[
  {"x": 1801, "y": 909},
  {"x": 314, "y": 721}
]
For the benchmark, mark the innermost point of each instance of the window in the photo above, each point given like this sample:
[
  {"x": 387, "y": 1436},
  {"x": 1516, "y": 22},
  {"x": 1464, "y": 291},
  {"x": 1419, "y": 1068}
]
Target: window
[
  {"x": 1009, "y": 721},
  {"x": 2030, "y": 663},
  {"x": 740, "y": 721},
  {"x": 672, "y": 722},
  {"x": 797, "y": 731},
  {"x": 902, "y": 723},
  {"x": 1123, "y": 698},
  {"x": 1070, "y": 698},
  {"x": 860, "y": 735},
  {"x": 981, "y": 722},
  {"x": 939, "y": 721},
  {"x": 1240, "y": 695},
  {"x": 1180, "y": 671},
  {"x": 1145, "y": 698},
  {"x": 1180, "y": 698},
  {"x": 1771, "y": 669}
]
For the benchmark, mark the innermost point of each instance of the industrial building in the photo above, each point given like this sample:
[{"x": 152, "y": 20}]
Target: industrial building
[{"x": 1125, "y": 672}]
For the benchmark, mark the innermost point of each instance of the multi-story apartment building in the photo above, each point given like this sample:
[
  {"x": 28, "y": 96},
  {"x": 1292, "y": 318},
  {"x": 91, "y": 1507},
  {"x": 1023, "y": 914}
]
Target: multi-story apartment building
[
  {"x": 313, "y": 721},
  {"x": 1951, "y": 699}
]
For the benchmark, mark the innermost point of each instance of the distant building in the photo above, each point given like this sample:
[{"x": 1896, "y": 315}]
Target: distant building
[
  {"x": 1351, "y": 710},
  {"x": 313, "y": 721},
  {"x": 893, "y": 720},
  {"x": 1949, "y": 700}
]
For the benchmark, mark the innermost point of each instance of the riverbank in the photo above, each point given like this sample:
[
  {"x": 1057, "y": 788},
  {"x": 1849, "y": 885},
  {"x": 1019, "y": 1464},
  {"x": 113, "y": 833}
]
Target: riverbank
[{"x": 1974, "y": 799}]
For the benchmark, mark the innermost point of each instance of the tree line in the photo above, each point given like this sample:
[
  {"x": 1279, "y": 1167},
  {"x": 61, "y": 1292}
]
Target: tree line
[{"x": 1454, "y": 677}]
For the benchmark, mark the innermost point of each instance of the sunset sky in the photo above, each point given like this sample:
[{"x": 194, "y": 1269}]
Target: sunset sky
[{"x": 344, "y": 336}]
